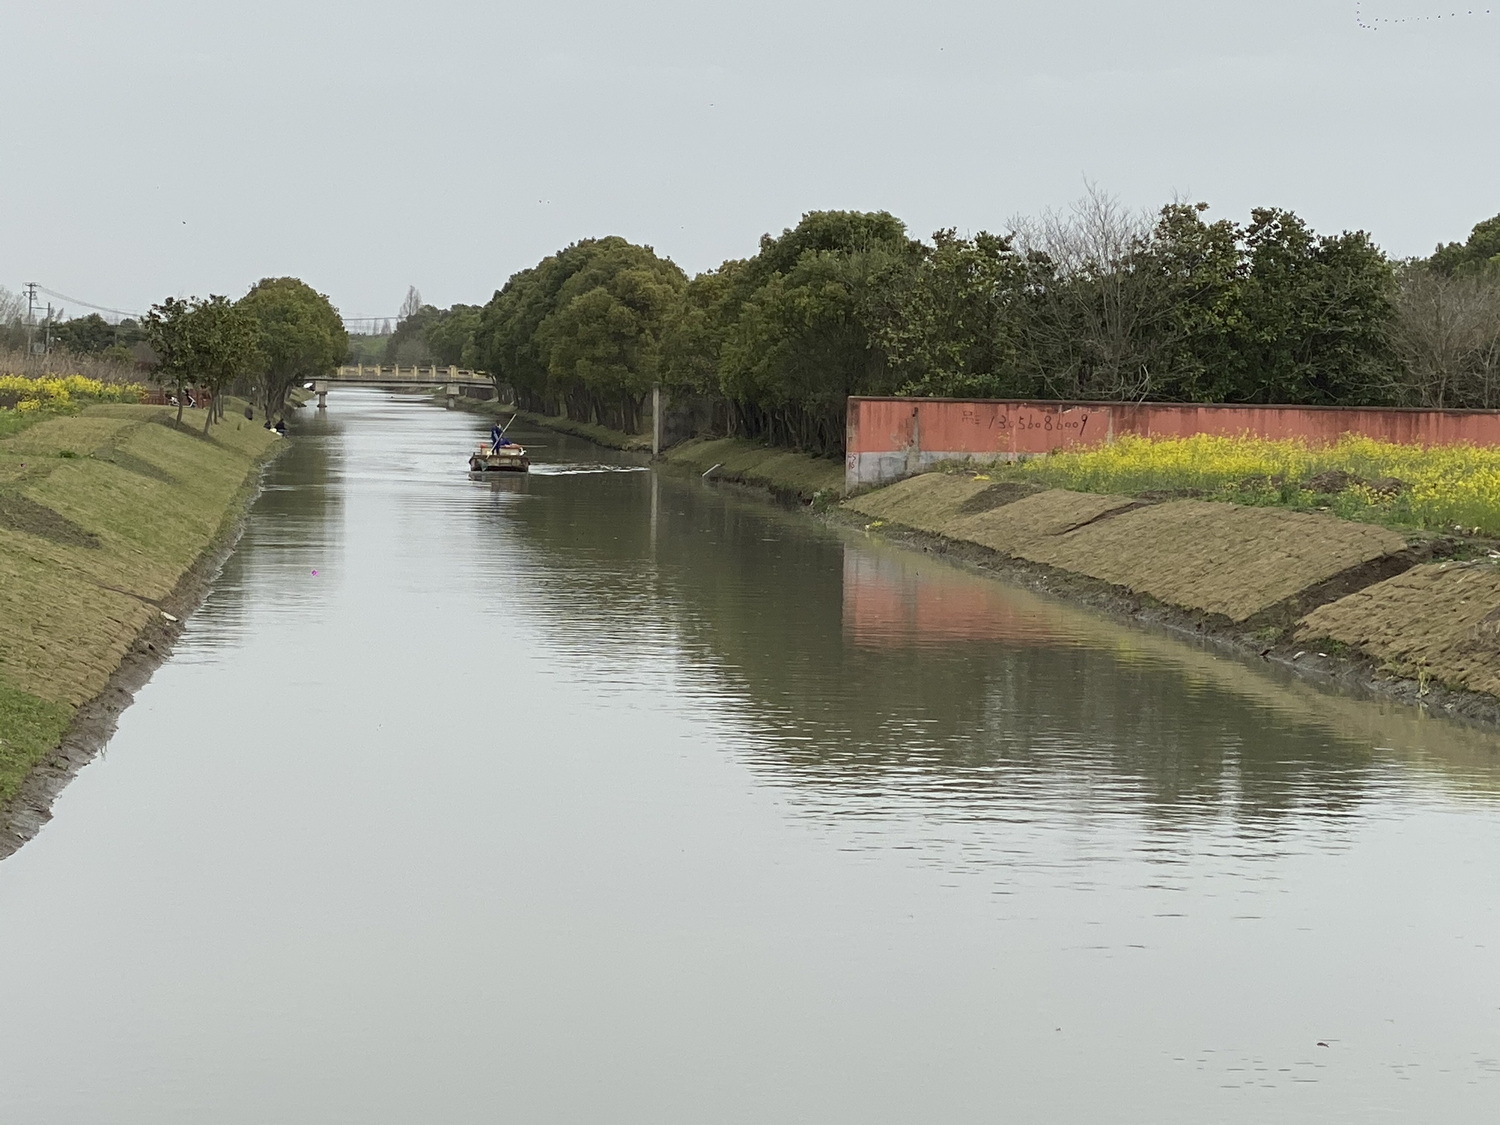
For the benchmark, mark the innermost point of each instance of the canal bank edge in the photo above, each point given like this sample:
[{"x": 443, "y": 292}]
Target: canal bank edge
[
  {"x": 1390, "y": 615},
  {"x": 785, "y": 474},
  {"x": 113, "y": 525}
]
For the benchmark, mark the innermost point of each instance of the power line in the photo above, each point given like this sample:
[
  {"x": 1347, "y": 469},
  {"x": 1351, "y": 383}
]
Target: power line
[
  {"x": 36, "y": 288},
  {"x": 85, "y": 304}
]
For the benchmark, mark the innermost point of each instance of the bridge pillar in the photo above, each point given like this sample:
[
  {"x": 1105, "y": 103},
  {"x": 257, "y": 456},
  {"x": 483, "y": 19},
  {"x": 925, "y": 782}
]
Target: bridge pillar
[
  {"x": 320, "y": 388},
  {"x": 452, "y": 392}
]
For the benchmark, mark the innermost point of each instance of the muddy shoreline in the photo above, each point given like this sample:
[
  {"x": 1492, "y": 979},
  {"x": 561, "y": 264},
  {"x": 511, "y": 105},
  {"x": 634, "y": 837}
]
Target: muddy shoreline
[{"x": 95, "y": 721}]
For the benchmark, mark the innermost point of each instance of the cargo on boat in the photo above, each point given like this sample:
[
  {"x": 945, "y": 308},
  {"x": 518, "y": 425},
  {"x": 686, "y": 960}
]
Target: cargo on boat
[{"x": 509, "y": 458}]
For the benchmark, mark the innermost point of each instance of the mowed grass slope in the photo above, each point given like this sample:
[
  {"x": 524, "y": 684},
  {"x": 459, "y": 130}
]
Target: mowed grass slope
[
  {"x": 1223, "y": 559},
  {"x": 101, "y": 515},
  {"x": 780, "y": 470}
]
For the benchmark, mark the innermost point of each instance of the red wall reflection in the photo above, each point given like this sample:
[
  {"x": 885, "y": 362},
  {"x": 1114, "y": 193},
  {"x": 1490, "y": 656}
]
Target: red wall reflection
[{"x": 893, "y": 601}]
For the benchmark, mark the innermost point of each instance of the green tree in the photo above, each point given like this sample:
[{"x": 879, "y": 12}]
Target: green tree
[
  {"x": 1481, "y": 252},
  {"x": 1315, "y": 312},
  {"x": 695, "y": 329},
  {"x": 506, "y": 340},
  {"x": 169, "y": 333},
  {"x": 202, "y": 342},
  {"x": 301, "y": 334},
  {"x": 602, "y": 340},
  {"x": 118, "y": 354},
  {"x": 950, "y": 329},
  {"x": 581, "y": 331},
  {"x": 799, "y": 327},
  {"x": 1197, "y": 270},
  {"x": 408, "y": 343},
  {"x": 84, "y": 335},
  {"x": 226, "y": 346},
  {"x": 450, "y": 335}
]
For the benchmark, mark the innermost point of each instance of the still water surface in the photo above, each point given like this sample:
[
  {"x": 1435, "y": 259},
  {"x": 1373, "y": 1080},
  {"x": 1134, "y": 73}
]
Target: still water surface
[{"x": 608, "y": 796}]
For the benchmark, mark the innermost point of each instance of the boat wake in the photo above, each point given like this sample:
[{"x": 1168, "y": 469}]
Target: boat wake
[{"x": 577, "y": 469}]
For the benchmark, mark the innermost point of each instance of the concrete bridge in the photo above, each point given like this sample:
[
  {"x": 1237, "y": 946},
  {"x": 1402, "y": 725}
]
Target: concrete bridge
[{"x": 454, "y": 380}]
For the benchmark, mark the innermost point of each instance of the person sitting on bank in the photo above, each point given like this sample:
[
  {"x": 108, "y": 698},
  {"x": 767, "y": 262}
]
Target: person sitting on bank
[{"x": 280, "y": 426}]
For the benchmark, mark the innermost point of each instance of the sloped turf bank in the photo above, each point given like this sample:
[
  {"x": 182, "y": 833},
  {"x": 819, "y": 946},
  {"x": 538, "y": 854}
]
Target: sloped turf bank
[
  {"x": 1329, "y": 596},
  {"x": 789, "y": 475},
  {"x": 108, "y": 519}
]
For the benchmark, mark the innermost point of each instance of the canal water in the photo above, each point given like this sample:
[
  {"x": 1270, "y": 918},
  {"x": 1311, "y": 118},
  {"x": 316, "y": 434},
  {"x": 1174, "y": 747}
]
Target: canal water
[{"x": 606, "y": 795}]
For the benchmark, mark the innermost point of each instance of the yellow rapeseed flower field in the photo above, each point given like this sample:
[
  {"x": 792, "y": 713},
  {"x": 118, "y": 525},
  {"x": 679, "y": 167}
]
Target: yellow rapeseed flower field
[
  {"x": 1439, "y": 487},
  {"x": 62, "y": 392}
]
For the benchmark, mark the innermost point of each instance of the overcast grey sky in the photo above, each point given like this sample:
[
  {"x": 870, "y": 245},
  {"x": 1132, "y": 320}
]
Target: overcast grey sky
[{"x": 175, "y": 147}]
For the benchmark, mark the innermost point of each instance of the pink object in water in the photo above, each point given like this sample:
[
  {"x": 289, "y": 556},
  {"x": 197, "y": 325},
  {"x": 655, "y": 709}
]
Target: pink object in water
[{"x": 315, "y": 574}]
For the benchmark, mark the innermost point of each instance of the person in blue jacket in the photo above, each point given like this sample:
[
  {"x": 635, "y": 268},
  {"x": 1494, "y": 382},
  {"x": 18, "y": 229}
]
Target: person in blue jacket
[{"x": 498, "y": 440}]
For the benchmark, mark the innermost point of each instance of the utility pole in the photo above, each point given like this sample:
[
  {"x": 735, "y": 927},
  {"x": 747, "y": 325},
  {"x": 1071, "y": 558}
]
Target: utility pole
[{"x": 30, "y": 316}]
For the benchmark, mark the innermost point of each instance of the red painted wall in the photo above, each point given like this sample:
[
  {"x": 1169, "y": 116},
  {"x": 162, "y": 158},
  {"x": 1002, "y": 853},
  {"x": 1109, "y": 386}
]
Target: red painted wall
[
  {"x": 893, "y": 437},
  {"x": 882, "y": 425}
]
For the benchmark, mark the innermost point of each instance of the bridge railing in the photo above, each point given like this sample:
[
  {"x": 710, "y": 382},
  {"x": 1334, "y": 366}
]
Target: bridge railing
[{"x": 398, "y": 373}]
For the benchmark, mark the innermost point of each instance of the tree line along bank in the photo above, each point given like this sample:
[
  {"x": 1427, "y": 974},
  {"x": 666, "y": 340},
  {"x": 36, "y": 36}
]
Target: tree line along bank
[
  {"x": 1092, "y": 303},
  {"x": 279, "y": 334}
]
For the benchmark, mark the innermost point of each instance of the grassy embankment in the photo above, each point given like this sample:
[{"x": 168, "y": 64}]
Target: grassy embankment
[
  {"x": 102, "y": 513},
  {"x": 781, "y": 471}
]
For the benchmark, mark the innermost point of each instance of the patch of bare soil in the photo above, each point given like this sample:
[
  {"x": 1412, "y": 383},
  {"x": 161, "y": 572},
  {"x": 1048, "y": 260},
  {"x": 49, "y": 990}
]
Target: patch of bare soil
[
  {"x": 20, "y": 513},
  {"x": 997, "y": 496}
]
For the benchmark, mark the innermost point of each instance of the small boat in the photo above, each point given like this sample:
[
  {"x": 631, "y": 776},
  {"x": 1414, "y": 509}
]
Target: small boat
[{"x": 507, "y": 459}]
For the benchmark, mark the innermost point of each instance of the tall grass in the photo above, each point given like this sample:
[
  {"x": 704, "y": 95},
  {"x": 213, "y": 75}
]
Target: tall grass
[
  {"x": 1443, "y": 488},
  {"x": 66, "y": 363}
]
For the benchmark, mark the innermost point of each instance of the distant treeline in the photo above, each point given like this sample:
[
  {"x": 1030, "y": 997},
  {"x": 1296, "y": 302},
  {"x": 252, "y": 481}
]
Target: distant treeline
[
  {"x": 88, "y": 336},
  {"x": 1091, "y": 303},
  {"x": 278, "y": 335}
]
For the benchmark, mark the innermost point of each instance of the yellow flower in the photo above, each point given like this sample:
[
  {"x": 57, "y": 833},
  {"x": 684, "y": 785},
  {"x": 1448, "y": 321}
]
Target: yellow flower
[{"x": 1439, "y": 486}]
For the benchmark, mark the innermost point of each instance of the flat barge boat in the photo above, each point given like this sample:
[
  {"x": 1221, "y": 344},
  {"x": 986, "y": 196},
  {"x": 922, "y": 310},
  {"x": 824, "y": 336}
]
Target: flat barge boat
[{"x": 509, "y": 458}]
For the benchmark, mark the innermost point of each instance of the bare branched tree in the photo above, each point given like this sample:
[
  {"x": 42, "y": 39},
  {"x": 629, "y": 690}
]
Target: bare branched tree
[
  {"x": 1097, "y": 310},
  {"x": 411, "y": 306},
  {"x": 1446, "y": 333},
  {"x": 12, "y": 306},
  {"x": 12, "y": 319}
]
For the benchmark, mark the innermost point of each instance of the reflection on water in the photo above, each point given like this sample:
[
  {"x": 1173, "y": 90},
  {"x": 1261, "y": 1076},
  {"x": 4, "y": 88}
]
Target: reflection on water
[
  {"x": 887, "y": 603},
  {"x": 599, "y": 793}
]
